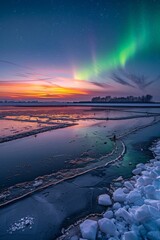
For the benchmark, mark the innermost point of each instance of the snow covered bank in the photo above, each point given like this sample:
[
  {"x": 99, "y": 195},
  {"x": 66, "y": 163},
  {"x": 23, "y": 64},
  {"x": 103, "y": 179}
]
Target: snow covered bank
[{"x": 133, "y": 210}]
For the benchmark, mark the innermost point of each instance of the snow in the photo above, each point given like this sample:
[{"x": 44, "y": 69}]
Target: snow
[
  {"x": 104, "y": 200},
  {"x": 21, "y": 224},
  {"x": 37, "y": 183},
  {"x": 134, "y": 211}
]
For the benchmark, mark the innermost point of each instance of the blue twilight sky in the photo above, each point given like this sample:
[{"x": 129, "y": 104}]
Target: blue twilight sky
[{"x": 69, "y": 50}]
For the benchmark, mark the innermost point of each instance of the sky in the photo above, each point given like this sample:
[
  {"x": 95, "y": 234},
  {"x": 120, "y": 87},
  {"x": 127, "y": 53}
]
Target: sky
[{"x": 67, "y": 50}]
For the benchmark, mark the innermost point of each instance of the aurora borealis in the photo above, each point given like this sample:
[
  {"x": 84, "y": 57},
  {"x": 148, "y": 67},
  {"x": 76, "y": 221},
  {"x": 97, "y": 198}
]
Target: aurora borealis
[
  {"x": 141, "y": 36},
  {"x": 59, "y": 50}
]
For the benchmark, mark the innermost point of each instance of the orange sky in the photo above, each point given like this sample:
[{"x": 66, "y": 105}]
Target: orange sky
[{"x": 59, "y": 89}]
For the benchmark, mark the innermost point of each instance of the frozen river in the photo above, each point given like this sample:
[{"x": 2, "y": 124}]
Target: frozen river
[{"x": 63, "y": 153}]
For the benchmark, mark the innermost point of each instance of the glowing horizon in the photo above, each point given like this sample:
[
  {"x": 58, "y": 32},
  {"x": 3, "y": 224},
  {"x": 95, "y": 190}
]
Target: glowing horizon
[{"x": 75, "y": 58}]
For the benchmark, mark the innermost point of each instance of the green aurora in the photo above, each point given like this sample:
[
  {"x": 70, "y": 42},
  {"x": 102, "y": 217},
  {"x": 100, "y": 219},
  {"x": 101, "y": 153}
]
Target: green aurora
[{"x": 142, "y": 35}]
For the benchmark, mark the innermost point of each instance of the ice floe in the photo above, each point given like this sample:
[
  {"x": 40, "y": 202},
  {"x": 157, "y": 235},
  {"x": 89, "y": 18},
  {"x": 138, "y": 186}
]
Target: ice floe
[
  {"x": 104, "y": 200},
  {"x": 133, "y": 210}
]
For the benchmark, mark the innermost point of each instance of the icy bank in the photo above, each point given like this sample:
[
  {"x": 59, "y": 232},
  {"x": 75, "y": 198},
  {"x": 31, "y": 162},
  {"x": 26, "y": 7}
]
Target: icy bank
[{"x": 134, "y": 208}]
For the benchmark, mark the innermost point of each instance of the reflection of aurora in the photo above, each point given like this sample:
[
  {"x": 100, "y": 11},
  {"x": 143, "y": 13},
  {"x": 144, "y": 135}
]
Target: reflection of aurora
[{"x": 141, "y": 35}]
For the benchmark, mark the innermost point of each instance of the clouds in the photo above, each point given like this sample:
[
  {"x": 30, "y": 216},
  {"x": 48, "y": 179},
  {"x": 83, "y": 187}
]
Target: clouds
[
  {"x": 133, "y": 80},
  {"x": 115, "y": 77},
  {"x": 15, "y": 64}
]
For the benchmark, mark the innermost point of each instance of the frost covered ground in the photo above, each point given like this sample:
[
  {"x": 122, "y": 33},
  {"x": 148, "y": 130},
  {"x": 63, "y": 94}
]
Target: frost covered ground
[
  {"x": 132, "y": 210},
  {"x": 21, "y": 224}
]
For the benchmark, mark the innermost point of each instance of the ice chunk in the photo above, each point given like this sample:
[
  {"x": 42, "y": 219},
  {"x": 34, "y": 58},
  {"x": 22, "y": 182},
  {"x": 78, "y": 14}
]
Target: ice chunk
[
  {"x": 157, "y": 194},
  {"x": 121, "y": 227},
  {"x": 147, "y": 180},
  {"x": 146, "y": 213},
  {"x": 149, "y": 191},
  {"x": 153, "y": 235},
  {"x": 142, "y": 213},
  {"x": 104, "y": 200},
  {"x": 156, "y": 183},
  {"x": 116, "y": 206},
  {"x": 130, "y": 236},
  {"x": 89, "y": 229},
  {"x": 151, "y": 225},
  {"x": 144, "y": 181},
  {"x": 134, "y": 197},
  {"x": 75, "y": 237},
  {"x": 128, "y": 185},
  {"x": 119, "y": 195},
  {"x": 154, "y": 203},
  {"x": 125, "y": 190},
  {"x": 156, "y": 164},
  {"x": 108, "y": 214},
  {"x": 142, "y": 230},
  {"x": 107, "y": 226},
  {"x": 137, "y": 171},
  {"x": 157, "y": 169},
  {"x": 145, "y": 173},
  {"x": 140, "y": 165},
  {"x": 122, "y": 213},
  {"x": 153, "y": 173}
]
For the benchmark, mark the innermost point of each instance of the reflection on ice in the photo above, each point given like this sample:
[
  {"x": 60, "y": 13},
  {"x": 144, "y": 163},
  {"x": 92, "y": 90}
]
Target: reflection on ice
[{"x": 48, "y": 159}]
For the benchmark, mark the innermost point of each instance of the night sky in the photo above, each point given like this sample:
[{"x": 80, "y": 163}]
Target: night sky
[{"x": 74, "y": 50}]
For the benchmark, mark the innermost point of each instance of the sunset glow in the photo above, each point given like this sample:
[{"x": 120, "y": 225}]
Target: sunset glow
[{"x": 75, "y": 57}]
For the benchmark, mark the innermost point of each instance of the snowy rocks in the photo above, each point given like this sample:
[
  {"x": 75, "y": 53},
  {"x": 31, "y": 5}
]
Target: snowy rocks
[
  {"x": 89, "y": 229},
  {"x": 104, "y": 200},
  {"x": 107, "y": 226},
  {"x": 119, "y": 195}
]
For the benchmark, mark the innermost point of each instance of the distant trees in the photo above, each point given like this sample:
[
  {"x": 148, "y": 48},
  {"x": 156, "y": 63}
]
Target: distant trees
[
  {"x": 148, "y": 98},
  {"x": 129, "y": 99}
]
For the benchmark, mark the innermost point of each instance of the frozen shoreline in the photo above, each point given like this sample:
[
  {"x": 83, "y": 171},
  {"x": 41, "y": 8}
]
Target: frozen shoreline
[
  {"x": 54, "y": 126},
  {"x": 19, "y": 191},
  {"x": 133, "y": 209},
  {"x": 24, "y": 189},
  {"x": 35, "y": 132}
]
